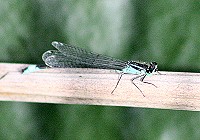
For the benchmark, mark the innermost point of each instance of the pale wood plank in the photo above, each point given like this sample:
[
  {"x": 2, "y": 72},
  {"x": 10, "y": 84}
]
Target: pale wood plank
[{"x": 176, "y": 90}]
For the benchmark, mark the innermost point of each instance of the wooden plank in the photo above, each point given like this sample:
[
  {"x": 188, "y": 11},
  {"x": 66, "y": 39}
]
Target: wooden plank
[{"x": 175, "y": 90}]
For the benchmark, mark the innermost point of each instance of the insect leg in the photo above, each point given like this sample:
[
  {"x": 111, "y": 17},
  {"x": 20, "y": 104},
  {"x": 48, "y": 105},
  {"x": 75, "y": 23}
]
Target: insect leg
[
  {"x": 4, "y": 75},
  {"x": 117, "y": 82},
  {"x": 136, "y": 85},
  {"x": 142, "y": 80}
]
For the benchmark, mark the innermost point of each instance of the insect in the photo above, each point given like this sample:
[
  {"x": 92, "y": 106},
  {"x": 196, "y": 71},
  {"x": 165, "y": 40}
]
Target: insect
[{"x": 68, "y": 56}]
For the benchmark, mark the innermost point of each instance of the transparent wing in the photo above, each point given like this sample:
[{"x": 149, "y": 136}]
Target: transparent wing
[{"x": 71, "y": 56}]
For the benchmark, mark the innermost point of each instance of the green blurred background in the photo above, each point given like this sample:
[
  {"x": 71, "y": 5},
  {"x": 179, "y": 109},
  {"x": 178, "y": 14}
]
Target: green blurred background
[{"x": 164, "y": 31}]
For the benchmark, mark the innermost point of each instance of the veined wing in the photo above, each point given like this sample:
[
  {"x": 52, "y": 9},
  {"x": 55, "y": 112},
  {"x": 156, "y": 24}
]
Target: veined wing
[{"x": 71, "y": 56}]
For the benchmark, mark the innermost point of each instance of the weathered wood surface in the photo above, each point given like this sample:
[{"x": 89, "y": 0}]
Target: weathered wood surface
[{"x": 175, "y": 90}]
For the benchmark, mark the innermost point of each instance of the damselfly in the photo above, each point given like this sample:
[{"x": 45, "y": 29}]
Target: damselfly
[{"x": 67, "y": 56}]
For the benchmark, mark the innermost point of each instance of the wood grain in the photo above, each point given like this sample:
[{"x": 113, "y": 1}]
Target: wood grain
[{"x": 175, "y": 90}]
